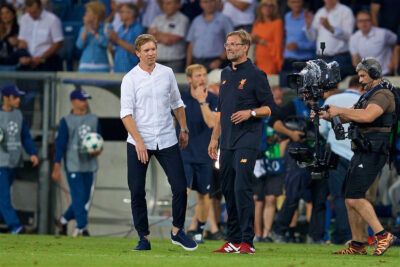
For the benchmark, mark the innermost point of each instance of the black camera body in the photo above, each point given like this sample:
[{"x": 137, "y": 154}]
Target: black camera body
[{"x": 316, "y": 78}]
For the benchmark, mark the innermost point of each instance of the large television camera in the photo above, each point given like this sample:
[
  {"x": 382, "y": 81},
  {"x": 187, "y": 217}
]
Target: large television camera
[{"x": 316, "y": 78}]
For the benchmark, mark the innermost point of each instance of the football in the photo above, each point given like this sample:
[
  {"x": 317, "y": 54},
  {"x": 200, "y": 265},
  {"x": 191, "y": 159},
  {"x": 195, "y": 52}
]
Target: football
[{"x": 92, "y": 142}]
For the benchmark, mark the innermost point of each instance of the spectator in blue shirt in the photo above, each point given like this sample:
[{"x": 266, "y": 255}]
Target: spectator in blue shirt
[
  {"x": 15, "y": 136},
  {"x": 93, "y": 39},
  {"x": 125, "y": 54},
  {"x": 297, "y": 46},
  {"x": 206, "y": 37}
]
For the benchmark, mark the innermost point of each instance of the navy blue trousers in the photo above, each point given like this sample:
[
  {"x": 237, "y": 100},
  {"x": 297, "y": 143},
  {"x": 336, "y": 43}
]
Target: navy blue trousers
[
  {"x": 170, "y": 160},
  {"x": 342, "y": 231},
  {"x": 7, "y": 177},
  {"x": 80, "y": 186}
]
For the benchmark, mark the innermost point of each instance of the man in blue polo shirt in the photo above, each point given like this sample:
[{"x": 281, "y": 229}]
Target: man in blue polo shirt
[
  {"x": 200, "y": 107},
  {"x": 15, "y": 136},
  {"x": 245, "y": 99},
  {"x": 297, "y": 46},
  {"x": 206, "y": 36}
]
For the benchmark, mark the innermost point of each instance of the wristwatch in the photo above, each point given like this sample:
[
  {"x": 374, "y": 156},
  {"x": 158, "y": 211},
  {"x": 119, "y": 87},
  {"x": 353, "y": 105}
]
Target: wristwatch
[
  {"x": 204, "y": 103},
  {"x": 253, "y": 113},
  {"x": 185, "y": 131}
]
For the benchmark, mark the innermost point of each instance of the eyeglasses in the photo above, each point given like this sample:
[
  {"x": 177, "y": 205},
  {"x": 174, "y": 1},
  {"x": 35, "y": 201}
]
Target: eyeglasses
[{"x": 232, "y": 44}]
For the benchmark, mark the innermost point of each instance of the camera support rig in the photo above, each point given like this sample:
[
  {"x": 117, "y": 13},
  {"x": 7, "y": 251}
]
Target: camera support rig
[{"x": 316, "y": 78}]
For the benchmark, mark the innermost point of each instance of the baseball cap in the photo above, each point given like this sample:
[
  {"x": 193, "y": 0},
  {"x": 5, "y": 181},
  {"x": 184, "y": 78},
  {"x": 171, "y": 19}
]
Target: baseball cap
[
  {"x": 11, "y": 89},
  {"x": 79, "y": 94}
]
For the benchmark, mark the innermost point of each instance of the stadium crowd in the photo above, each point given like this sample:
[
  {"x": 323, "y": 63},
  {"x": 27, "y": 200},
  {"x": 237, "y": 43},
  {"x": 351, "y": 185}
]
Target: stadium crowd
[
  {"x": 100, "y": 34},
  {"x": 35, "y": 35}
]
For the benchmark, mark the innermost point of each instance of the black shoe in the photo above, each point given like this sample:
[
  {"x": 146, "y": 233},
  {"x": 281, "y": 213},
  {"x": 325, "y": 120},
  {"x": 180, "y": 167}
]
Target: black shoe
[
  {"x": 85, "y": 233},
  {"x": 143, "y": 244},
  {"x": 61, "y": 228},
  {"x": 191, "y": 234},
  {"x": 267, "y": 240},
  {"x": 81, "y": 232},
  {"x": 218, "y": 236},
  {"x": 278, "y": 238}
]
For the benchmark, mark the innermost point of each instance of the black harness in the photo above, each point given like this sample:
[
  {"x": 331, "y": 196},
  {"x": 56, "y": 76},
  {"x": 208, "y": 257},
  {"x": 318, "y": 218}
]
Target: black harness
[
  {"x": 386, "y": 119},
  {"x": 375, "y": 141}
]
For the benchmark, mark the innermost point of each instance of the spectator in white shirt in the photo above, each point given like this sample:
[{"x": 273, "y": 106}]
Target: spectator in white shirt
[
  {"x": 151, "y": 9},
  {"x": 41, "y": 34},
  {"x": 241, "y": 13},
  {"x": 148, "y": 93},
  {"x": 370, "y": 41},
  {"x": 332, "y": 24},
  {"x": 170, "y": 29}
]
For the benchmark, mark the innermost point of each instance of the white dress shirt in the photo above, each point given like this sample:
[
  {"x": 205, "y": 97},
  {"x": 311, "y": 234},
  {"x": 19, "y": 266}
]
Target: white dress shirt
[
  {"x": 149, "y": 98},
  {"x": 378, "y": 44},
  {"x": 237, "y": 16},
  {"x": 342, "y": 20},
  {"x": 41, "y": 33}
]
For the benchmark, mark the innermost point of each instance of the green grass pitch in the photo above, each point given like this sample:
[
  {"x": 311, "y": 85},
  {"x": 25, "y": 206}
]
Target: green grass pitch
[{"x": 34, "y": 250}]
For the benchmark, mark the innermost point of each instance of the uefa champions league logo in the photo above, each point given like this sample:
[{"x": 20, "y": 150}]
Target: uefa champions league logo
[
  {"x": 12, "y": 128},
  {"x": 83, "y": 130}
]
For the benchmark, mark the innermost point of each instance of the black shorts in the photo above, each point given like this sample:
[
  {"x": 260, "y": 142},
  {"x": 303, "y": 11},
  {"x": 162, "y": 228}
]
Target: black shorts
[
  {"x": 363, "y": 170},
  {"x": 215, "y": 185},
  {"x": 268, "y": 185}
]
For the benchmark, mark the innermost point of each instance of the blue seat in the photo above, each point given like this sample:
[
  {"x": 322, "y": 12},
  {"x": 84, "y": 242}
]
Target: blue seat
[
  {"x": 62, "y": 8},
  {"x": 77, "y": 12}
]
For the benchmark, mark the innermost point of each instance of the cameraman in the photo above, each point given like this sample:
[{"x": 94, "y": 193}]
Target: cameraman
[
  {"x": 298, "y": 180},
  {"x": 372, "y": 120},
  {"x": 342, "y": 148}
]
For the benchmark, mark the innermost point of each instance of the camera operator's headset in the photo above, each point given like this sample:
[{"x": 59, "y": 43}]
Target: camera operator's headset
[{"x": 372, "y": 72}]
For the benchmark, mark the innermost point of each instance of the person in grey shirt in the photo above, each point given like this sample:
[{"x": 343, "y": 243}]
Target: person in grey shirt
[
  {"x": 170, "y": 29},
  {"x": 206, "y": 37},
  {"x": 80, "y": 165}
]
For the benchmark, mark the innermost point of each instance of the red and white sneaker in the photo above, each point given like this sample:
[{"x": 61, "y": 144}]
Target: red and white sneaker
[
  {"x": 229, "y": 247},
  {"x": 246, "y": 249}
]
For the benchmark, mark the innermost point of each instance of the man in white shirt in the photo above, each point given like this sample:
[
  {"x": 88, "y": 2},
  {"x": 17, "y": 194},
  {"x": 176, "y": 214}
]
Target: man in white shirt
[
  {"x": 148, "y": 93},
  {"x": 241, "y": 13},
  {"x": 332, "y": 24},
  {"x": 370, "y": 41},
  {"x": 170, "y": 29},
  {"x": 41, "y": 35},
  {"x": 151, "y": 9}
]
